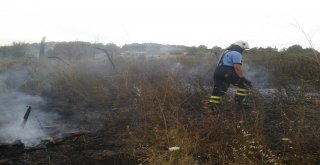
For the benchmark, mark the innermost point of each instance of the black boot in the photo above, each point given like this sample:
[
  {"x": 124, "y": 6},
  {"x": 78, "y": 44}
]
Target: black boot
[
  {"x": 240, "y": 96},
  {"x": 214, "y": 104},
  {"x": 239, "y": 99}
]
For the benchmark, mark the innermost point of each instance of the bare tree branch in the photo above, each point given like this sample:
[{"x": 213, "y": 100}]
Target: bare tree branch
[{"x": 108, "y": 55}]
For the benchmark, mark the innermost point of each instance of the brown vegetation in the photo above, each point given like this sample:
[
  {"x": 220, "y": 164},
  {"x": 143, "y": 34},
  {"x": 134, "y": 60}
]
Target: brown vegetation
[{"x": 148, "y": 105}]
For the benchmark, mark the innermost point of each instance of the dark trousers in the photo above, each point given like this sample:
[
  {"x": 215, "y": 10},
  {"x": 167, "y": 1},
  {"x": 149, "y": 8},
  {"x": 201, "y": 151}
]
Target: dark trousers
[{"x": 223, "y": 77}]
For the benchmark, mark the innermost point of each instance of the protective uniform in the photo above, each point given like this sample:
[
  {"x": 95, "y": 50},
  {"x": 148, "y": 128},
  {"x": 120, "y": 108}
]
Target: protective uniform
[{"x": 225, "y": 74}]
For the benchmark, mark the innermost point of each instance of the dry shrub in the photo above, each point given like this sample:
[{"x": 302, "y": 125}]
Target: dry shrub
[{"x": 288, "y": 70}]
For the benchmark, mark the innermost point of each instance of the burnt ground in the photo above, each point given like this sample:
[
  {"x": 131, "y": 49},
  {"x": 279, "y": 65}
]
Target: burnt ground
[
  {"x": 108, "y": 145},
  {"x": 102, "y": 147}
]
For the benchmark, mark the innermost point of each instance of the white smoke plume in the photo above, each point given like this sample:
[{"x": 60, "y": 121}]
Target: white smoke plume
[{"x": 13, "y": 106}]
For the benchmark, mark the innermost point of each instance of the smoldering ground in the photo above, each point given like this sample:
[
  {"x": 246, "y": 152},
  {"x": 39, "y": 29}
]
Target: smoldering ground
[{"x": 13, "y": 106}]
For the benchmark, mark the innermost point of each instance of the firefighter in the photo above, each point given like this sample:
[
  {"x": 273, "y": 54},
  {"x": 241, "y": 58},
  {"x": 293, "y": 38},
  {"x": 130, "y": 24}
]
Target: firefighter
[{"x": 229, "y": 71}]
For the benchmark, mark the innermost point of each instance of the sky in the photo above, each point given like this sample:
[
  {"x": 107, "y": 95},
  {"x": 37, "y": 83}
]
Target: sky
[{"x": 262, "y": 23}]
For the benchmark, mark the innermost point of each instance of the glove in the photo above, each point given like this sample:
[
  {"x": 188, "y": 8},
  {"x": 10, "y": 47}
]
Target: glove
[
  {"x": 244, "y": 82},
  {"x": 247, "y": 82}
]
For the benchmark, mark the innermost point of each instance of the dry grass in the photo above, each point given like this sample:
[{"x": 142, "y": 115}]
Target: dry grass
[
  {"x": 288, "y": 70},
  {"x": 155, "y": 104}
]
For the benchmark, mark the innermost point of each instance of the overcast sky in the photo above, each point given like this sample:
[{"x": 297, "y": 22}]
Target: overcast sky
[{"x": 261, "y": 23}]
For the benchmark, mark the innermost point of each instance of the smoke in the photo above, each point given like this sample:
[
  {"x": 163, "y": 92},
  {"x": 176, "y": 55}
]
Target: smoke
[
  {"x": 260, "y": 76},
  {"x": 13, "y": 105}
]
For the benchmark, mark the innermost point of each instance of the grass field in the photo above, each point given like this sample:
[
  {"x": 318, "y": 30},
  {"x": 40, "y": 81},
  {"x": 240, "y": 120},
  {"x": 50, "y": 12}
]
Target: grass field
[{"x": 146, "y": 105}]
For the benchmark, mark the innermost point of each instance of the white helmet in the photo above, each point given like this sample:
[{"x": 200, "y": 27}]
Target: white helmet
[{"x": 242, "y": 44}]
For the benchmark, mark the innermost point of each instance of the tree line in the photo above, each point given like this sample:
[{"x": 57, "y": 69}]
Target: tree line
[{"x": 79, "y": 49}]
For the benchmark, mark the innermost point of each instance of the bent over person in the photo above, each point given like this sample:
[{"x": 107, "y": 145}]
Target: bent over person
[{"x": 229, "y": 71}]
